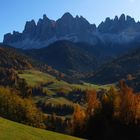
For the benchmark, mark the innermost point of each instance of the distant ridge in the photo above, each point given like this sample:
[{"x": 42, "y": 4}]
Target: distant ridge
[
  {"x": 125, "y": 67},
  {"x": 120, "y": 30}
]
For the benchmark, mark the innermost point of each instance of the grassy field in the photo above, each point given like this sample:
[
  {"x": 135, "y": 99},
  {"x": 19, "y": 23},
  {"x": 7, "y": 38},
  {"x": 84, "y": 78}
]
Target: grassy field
[
  {"x": 35, "y": 78},
  {"x": 55, "y": 101},
  {"x": 14, "y": 131},
  {"x": 59, "y": 101}
]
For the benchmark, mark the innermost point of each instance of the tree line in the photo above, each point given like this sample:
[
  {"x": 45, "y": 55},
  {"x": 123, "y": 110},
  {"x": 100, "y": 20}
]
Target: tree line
[{"x": 112, "y": 115}]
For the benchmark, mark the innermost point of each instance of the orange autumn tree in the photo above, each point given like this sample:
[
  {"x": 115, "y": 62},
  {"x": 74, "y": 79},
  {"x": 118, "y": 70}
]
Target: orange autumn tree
[
  {"x": 78, "y": 115},
  {"x": 137, "y": 117},
  {"x": 92, "y": 103},
  {"x": 130, "y": 104},
  {"x": 78, "y": 120}
]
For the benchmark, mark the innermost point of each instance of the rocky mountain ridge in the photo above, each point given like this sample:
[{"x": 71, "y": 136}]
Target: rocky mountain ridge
[{"x": 120, "y": 30}]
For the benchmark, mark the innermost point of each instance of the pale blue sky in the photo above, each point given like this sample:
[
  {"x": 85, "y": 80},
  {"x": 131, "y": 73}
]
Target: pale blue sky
[{"x": 14, "y": 13}]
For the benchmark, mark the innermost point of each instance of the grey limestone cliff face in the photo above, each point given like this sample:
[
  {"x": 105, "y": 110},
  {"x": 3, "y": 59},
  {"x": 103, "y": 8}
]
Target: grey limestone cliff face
[
  {"x": 47, "y": 31},
  {"x": 119, "y": 30}
]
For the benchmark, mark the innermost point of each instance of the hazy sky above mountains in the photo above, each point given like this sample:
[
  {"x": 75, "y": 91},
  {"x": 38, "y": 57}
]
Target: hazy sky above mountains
[{"x": 14, "y": 13}]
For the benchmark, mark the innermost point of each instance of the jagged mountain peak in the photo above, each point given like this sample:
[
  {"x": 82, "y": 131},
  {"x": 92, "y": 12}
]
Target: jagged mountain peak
[
  {"x": 122, "y": 17},
  {"x": 29, "y": 26},
  {"x": 47, "y": 31},
  {"x": 116, "y": 18},
  {"x": 76, "y": 29},
  {"x": 45, "y": 17},
  {"x": 130, "y": 19},
  {"x": 118, "y": 24},
  {"x": 67, "y": 15}
]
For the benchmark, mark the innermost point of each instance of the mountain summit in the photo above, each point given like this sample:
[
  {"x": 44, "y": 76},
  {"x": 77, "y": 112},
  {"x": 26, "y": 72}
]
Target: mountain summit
[
  {"x": 47, "y": 31},
  {"x": 120, "y": 30},
  {"x": 119, "y": 24}
]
